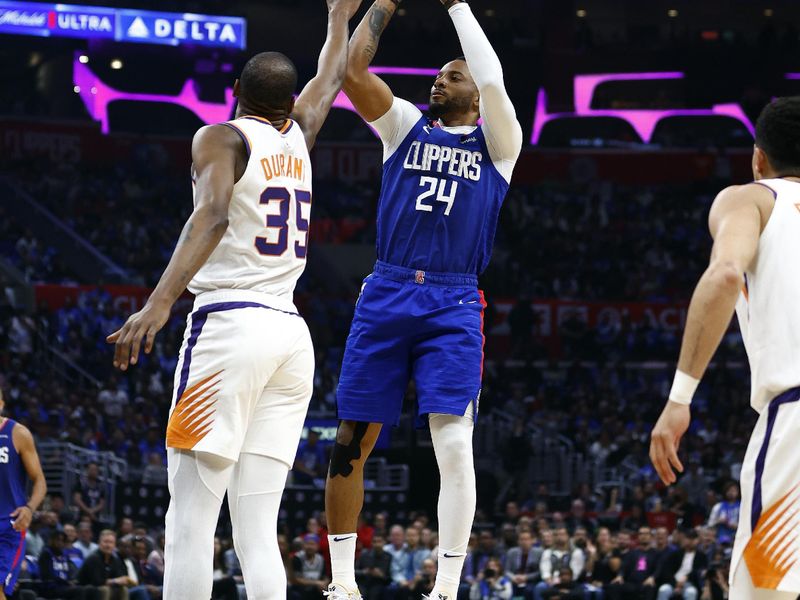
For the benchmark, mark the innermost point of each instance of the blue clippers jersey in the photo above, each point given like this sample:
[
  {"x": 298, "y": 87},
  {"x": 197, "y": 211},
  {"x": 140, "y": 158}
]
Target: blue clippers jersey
[
  {"x": 12, "y": 474},
  {"x": 440, "y": 200}
]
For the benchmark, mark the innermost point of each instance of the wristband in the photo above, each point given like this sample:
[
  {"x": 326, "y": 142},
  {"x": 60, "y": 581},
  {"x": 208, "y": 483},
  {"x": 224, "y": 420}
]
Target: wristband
[{"x": 683, "y": 388}]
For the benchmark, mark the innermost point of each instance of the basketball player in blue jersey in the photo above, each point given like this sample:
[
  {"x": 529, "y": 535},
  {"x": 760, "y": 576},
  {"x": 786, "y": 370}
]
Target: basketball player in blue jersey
[
  {"x": 18, "y": 461},
  {"x": 420, "y": 313}
]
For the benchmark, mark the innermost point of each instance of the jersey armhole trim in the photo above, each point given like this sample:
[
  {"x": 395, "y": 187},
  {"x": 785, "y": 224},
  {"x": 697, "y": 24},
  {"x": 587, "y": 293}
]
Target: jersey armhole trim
[
  {"x": 242, "y": 135},
  {"x": 774, "y": 193}
]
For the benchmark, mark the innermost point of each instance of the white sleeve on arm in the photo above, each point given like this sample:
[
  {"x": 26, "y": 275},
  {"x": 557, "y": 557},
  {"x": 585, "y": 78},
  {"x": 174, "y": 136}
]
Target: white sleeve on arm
[
  {"x": 395, "y": 125},
  {"x": 503, "y": 131}
]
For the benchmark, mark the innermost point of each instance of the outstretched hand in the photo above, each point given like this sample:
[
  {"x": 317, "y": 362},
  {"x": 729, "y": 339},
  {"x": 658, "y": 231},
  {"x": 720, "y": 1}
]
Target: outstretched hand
[
  {"x": 142, "y": 325},
  {"x": 666, "y": 438}
]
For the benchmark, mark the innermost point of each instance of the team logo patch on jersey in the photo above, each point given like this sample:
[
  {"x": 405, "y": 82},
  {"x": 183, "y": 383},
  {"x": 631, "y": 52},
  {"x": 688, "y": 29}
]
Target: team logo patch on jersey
[{"x": 419, "y": 277}]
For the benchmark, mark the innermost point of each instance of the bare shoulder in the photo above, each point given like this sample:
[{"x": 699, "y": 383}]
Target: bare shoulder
[
  {"x": 22, "y": 437},
  {"x": 216, "y": 136},
  {"x": 755, "y": 199}
]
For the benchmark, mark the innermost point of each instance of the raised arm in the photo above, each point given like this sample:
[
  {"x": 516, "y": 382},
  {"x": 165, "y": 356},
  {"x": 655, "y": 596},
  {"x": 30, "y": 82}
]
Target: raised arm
[
  {"x": 369, "y": 94},
  {"x": 217, "y": 153},
  {"x": 314, "y": 102},
  {"x": 503, "y": 131},
  {"x": 737, "y": 218}
]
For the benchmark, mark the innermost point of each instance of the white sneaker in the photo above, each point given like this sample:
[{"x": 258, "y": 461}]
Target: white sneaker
[{"x": 336, "y": 591}]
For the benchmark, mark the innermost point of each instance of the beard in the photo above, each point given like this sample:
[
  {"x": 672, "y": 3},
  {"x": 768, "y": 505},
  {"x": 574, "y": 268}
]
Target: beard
[{"x": 449, "y": 106}]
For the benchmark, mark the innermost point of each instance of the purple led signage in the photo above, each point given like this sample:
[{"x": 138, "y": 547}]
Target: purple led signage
[
  {"x": 96, "y": 95},
  {"x": 643, "y": 121}
]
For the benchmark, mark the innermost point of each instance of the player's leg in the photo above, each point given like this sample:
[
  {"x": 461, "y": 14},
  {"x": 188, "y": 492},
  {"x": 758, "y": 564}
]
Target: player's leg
[
  {"x": 254, "y": 497},
  {"x": 197, "y": 484},
  {"x": 448, "y": 366},
  {"x": 12, "y": 546},
  {"x": 344, "y": 496},
  {"x": 268, "y": 451},
  {"x": 373, "y": 380},
  {"x": 452, "y": 443}
]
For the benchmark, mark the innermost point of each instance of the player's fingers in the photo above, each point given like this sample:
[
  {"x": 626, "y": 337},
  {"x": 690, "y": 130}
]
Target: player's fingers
[
  {"x": 660, "y": 462},
  {"x": 151, "y": 336},
  {"x": 673, "y": 456},
  {"x": 654, "y": 457},
  {"x": 112, "y": 338},
  {"x": 136, "y": 344},
  {"x": 15, "y": 513},
  {"x": 123, "y": 349}
]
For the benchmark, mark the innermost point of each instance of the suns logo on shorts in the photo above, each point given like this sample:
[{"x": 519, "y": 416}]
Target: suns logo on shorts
[{"x": 772, "y": 550}]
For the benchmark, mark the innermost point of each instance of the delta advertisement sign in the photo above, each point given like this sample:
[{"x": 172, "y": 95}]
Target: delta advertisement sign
[{"x": 122, "y": 25}]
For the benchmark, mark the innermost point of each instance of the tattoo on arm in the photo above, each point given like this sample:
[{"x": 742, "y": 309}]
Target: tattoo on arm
[
  {"x": 187, "y": 234},
  {"x": 378, "y": 20}
]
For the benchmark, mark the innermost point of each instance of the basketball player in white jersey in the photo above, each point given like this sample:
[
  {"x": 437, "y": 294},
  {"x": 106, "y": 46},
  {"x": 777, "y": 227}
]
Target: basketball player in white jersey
[
  {"x": 244, "y": 378},
  {"x": 755, "y": 267}
]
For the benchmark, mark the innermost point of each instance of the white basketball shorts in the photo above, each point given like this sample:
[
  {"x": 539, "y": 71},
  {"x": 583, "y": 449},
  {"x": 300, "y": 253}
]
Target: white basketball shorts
[
  {"x": 244, "y": 377},
  {"x": 766, "y": 553}
]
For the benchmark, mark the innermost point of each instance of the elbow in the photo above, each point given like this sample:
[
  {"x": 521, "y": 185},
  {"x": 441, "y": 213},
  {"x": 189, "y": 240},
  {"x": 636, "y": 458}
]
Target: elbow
[{"x": 726, "y": 276}]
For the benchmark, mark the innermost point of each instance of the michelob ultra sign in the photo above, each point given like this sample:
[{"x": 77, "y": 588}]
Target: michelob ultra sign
[{"x": 122, "y": 25}]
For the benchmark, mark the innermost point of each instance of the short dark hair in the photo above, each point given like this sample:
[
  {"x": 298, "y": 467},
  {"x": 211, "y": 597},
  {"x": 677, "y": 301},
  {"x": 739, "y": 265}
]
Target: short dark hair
[
  {"x": 268, "y": 80},
  {"x": 778, "y": 134}
]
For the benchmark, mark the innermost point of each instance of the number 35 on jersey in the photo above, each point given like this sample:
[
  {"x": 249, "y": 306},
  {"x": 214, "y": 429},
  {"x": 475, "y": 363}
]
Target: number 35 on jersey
[{"x": 285, "y": 206}]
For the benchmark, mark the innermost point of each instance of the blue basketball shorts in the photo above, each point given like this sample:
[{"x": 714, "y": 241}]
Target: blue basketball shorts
[
  {"x": 413, "y": 324},
  {"x": 12, "y": 551}
]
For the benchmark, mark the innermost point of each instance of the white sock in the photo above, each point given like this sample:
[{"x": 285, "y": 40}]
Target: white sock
[
  {"x": 343, "y": 558},
  {"x": 452, "y": 442}
]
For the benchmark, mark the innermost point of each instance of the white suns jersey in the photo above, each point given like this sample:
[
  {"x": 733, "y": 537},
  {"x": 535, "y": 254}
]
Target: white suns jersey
[
  {"x": 768, "y": 312},
  {"x": 264, "y": 247}
]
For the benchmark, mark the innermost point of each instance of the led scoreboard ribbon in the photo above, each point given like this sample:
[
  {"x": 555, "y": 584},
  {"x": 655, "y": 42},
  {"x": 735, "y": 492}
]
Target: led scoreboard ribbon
[{"x": 122, "y": 25}]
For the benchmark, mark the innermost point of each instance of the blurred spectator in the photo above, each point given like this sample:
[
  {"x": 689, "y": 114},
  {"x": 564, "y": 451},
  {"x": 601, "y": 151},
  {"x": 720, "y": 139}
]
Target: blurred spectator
[
  {"x": 557, "y": 559},
  {"x": 88, "y": 495},
  {"x": 522, "y": 565},
  {"x": 684, "y": 570},
  {"x": 155, "y": 473},
  {"x": 491, "y": 583},
  {"x": 425, "y": 579},
  {"x": 105, "y": 569},
  {"x": 84, "y": 542},
  {"x": 58, "y": 573},
  {"x": 373, "y": 570},
  {"x": 309, "y": 580},
  {"x": 725, "y": 515},
  {"x": 311, "y": 461},
  {"x": 224, "y": 585},
  {"x": 149, "y": 575},
  {"x": 478, "y": 559},
  {"x": 136, "y": 588}
]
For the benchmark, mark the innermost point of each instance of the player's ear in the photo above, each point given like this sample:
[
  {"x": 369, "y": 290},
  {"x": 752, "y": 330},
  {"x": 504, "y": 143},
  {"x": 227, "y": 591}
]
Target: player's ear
[
  {"x": 760, "y": 163},
  {"x": 476, "y": 103},
  {"x": 291, "y": 104},
  {"x": 236, "y": 89}
]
